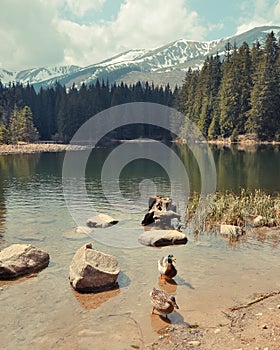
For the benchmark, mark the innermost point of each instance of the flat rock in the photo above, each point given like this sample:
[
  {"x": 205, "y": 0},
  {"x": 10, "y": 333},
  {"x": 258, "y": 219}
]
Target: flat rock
[
  {"x": 101, "y": 220},
  {"x": 159, "y": 238},
  {"x": 21, "y": 259},
  {"x": 92, "y": 270}
]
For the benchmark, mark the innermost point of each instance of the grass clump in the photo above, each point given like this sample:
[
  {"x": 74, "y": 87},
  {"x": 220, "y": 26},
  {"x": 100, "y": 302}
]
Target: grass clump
[{"x": 237, "y": 209}]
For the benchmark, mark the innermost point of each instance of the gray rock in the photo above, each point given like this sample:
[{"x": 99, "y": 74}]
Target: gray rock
[
  {"x": 161, "y": 213},
  {"x": 21, "y": 259},
  {"x": 260, "y": 221},
  {"x": 231, "y": 231},
  {"x": 92, "y": 270},
  {"x": 101, "y": 220},
  {"x": 159, "y": 238}
]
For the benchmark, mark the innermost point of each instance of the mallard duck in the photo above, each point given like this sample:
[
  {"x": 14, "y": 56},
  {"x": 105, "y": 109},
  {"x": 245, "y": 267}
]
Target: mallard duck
[
  {"x": 162, "y": 302},
  {"x": 166, "y": 267}
]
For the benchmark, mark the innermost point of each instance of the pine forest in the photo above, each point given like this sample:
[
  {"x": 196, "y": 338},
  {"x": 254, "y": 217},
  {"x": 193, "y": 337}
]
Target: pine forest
[{"x": 236, "y": 95}]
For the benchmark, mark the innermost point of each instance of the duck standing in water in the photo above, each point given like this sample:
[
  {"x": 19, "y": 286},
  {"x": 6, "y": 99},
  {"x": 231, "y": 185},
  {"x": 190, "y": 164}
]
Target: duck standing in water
[
  {"x": 162, "y": 302},
  {"x": 166, "y": 267}
]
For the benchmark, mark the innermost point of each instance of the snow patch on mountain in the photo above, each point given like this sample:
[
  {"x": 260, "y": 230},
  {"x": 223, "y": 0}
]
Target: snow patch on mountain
[
  {"x": 170, "y": 61},
  {"x": 36, "y": 75}
]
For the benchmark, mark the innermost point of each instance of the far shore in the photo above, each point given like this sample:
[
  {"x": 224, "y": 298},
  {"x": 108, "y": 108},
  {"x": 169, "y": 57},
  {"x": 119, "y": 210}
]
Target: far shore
[
  {"x": 25, "y": 148},
  {"x": 228, "y": 142}
]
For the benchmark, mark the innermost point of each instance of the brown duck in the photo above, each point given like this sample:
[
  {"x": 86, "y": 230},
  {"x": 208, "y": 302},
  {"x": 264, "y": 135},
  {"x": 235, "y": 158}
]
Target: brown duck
[{"x": 162, "y": 302}]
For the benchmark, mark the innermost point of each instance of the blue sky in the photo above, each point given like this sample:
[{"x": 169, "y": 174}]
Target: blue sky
[{"x": 35, "y": 33}]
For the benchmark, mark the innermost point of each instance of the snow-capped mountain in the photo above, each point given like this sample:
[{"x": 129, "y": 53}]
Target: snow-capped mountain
[
  {"x": 37, "y": 75},
  {"x": 166, "y": 64}
]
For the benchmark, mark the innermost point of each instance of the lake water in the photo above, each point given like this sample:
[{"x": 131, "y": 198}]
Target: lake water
[{"x": 44, "y": 312}]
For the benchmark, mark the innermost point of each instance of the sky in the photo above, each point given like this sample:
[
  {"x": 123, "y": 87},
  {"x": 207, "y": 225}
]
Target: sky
[{"x": 37, "y": 33}]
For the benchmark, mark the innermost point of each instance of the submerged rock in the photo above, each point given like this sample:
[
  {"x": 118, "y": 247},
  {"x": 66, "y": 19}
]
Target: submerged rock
[
  {"x": 101, "y": 220},
  {"x": 21, "y": 259},
  {"x": 83, "y": 230},
  {"x": 159, "y": 238},
  {"x": 92, "y": 270}
]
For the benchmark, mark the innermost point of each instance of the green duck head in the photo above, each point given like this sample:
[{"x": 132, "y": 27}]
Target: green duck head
[{"x": 171, "y": 259}]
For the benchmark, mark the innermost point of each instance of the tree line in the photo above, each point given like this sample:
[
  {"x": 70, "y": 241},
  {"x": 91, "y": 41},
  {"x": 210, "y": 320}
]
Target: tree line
[
  {"x": 238, "y": 95},
  {"x": 225, "y": 98},
  {"x": 56, "y": 113}
]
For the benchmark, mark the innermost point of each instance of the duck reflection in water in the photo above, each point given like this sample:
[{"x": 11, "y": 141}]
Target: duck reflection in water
[
  {"x": 169, "y": 286},
  {"x": 159, "y": 322}
]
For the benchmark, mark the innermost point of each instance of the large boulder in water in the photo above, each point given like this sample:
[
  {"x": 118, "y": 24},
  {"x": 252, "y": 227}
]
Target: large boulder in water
[
  {"x": 159, "y": 238},
  {"x": 92, "y": 270},
  {"x": 21, "y": 259},
  {"x": 161, "y": 214}
]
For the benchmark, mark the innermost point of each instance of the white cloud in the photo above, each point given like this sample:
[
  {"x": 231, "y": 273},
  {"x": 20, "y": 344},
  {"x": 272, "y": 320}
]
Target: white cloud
[
  {"x": 139, "y": 24},
  {"x": 148, "y": 24},
  {"x": 33, "y": 32},
  {"x": 259, "y": 13},
  {"x": 250, "y": 25},
  {"x": 28, "y": 34}
]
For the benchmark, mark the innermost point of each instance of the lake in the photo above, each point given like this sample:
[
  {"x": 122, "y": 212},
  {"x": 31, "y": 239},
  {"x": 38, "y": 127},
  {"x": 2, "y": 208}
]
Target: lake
[{"x": 40, "y": 206}]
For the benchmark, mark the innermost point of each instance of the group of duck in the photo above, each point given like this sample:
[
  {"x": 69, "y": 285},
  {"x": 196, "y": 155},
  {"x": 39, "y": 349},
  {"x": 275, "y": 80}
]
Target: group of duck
[{"x": 162, "y": 302}]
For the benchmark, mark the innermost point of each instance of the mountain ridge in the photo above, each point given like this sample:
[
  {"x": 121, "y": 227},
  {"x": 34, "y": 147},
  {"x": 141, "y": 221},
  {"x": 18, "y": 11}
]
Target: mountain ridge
[{"x": 162, "y": 65}]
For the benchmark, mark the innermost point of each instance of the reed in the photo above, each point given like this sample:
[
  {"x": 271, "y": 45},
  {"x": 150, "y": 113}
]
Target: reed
[{"x": 236, "y": 209}]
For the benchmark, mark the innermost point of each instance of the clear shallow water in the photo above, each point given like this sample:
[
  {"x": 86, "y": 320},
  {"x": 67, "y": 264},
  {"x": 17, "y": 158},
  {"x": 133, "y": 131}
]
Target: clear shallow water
[{"x": 44, "y": 312}]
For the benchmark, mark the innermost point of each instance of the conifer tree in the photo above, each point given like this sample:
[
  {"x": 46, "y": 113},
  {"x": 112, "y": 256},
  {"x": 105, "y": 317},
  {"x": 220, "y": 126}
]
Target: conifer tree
[
  {"x": 210, "y": 95},
  {"x": 3, "y": 134},
  {"x": 21, "y": 127},
  {"x": 229, "y": 94},
  {"x": 264, "y": 115}
]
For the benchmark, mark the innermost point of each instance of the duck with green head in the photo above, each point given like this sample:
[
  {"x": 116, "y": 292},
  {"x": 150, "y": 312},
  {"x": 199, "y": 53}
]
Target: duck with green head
[{"x": 166, "y": 267}]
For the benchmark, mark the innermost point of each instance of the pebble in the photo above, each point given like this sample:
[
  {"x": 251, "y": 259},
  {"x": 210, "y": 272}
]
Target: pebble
[
  {"x": 259, "y": 314},
  {"x": 216, "y": 331},
  {"x": 194, "y": 342},
  {"x": 90, "y": 333},
  {"x": 278, "y": 306},
  {"x": 264, "y": 326}
]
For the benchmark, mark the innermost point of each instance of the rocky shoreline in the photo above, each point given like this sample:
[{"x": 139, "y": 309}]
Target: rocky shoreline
[
  {"x": 254, "y": 325},
  {"x": 25, "y": 148}
]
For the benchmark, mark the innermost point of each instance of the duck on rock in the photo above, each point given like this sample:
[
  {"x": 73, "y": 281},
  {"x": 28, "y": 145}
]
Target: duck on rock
[{"x": 166, "y": 267}]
